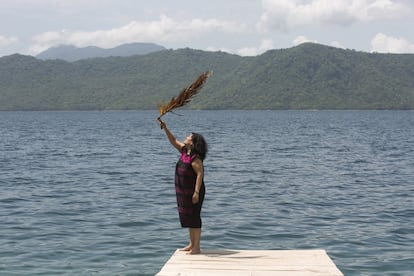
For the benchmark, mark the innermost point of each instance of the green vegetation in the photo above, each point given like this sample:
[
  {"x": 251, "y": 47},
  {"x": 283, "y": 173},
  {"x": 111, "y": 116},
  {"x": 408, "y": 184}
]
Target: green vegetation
[{"x": 309, "y": 76}]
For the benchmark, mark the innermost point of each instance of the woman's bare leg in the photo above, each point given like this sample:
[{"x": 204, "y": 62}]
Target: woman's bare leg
[
  {"x": 190, "y": 244},
  {"x": 195, "y": 236}
]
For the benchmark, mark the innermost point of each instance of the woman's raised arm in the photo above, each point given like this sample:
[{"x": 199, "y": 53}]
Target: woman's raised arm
[{"x": 176, "y": 144}]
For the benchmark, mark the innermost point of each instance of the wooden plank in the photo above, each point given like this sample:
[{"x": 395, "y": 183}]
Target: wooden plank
[{"x": 250, "y": 263}]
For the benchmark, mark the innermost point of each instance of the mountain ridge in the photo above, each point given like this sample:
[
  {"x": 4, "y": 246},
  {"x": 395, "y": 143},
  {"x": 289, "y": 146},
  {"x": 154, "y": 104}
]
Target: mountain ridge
[
  {"x": 308, "y": 76},
  {"x": 72, "y": 53}
]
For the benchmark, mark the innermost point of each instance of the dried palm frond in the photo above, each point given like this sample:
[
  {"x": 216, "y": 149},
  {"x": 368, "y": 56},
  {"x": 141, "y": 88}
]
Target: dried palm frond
[{"x": 185, "y": 95}]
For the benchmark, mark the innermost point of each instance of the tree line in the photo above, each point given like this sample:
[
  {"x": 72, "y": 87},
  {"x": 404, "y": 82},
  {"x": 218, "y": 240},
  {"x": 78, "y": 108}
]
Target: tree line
[{"x": 308, "y": 76}]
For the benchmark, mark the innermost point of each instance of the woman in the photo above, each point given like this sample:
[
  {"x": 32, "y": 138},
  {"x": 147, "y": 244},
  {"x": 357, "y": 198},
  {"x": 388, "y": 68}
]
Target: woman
[{"x": 189, "y": 184}]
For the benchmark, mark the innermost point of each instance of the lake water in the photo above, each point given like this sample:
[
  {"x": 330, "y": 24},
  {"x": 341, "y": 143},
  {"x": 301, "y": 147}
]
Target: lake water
[{"x": 91, "y": 193}]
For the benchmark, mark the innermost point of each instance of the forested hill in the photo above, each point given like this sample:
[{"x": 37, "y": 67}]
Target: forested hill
[{"x": 309, "y": 76}]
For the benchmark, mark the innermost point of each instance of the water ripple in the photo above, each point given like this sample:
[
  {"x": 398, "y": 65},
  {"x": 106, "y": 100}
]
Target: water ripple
[{"x": 91, "y": 193}]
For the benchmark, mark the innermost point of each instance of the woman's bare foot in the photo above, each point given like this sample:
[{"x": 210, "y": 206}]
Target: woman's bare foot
[
  {"x": 187, "y": 248},
  {"x": 194, "y": 252}
]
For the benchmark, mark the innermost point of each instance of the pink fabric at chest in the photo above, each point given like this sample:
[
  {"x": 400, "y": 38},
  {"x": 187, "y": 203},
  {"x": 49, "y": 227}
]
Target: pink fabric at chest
[{"x": 186, "y": 158}]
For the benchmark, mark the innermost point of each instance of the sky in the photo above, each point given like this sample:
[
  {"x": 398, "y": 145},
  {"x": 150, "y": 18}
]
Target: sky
[{"x": 242, "y": 27}]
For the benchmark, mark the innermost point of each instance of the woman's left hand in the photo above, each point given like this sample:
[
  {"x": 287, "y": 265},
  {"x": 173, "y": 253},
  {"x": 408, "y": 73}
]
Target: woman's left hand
[{"x": 195, "y": 198}]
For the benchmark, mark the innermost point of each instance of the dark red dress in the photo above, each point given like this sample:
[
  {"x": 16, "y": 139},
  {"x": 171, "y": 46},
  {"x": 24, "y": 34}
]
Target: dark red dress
[{"x": 185, "y": 181}]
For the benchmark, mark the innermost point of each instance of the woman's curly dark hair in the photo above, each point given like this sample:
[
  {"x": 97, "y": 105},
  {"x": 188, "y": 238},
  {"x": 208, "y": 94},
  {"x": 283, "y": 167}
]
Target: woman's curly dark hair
[{"x": 200, "y": 146}]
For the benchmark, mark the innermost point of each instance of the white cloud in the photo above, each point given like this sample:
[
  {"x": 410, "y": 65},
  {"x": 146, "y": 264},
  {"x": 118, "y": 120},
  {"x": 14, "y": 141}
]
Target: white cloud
[
  {"x": 302, "y": 39},
  {"x": 286, "y": 14},
  {"x": 7, "y": 41},
  {"x": 382, "y": 43},
  {"x": 336, "y": 44},
  {"x": 265, "y": 45},
  {"x": 165, "y": 29}
]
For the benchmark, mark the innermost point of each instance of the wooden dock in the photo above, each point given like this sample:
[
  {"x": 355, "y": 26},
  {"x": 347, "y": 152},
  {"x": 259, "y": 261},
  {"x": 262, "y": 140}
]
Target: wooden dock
[{"x": 250, "y": 262}]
